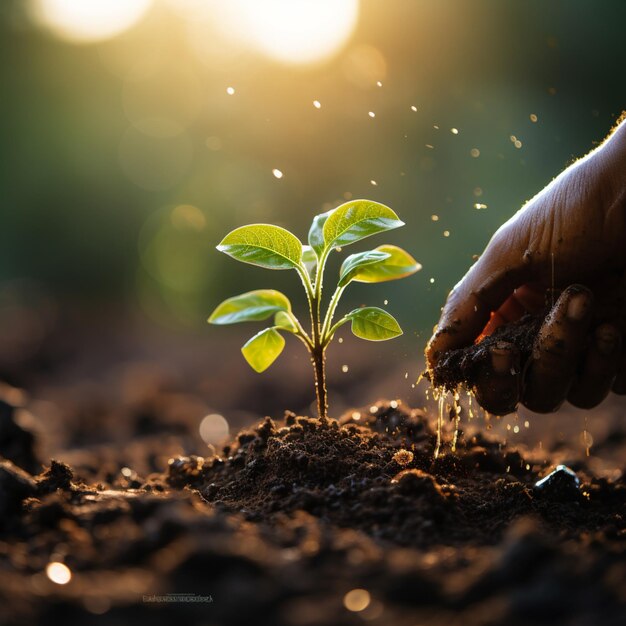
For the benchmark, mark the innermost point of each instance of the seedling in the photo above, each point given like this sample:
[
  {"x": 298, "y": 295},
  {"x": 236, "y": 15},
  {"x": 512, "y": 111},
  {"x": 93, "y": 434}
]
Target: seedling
[{"x": 275, "y": 248}]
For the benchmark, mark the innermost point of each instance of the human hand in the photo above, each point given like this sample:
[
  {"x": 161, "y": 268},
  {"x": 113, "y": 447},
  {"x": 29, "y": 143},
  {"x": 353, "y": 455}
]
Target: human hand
[{"x": 572, "y": 233}]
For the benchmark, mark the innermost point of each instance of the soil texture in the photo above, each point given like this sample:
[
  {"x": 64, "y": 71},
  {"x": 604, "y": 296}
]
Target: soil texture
[{"x": 305, "y": 522}]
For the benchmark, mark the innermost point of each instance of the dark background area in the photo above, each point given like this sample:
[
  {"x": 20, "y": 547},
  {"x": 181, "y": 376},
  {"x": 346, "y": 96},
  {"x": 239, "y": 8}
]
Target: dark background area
[{"x": 123, "y": 163}]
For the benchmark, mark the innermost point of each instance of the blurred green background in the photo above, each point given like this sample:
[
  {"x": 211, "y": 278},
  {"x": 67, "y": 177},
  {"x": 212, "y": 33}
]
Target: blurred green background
[{"x": 125, "y": 159}]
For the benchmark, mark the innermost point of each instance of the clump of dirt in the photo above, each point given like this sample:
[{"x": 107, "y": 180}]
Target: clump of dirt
[
  {"x": 292, "y": 515},
  {"x": 462, "y": 366},
  {"x": 356, "y": 472}
]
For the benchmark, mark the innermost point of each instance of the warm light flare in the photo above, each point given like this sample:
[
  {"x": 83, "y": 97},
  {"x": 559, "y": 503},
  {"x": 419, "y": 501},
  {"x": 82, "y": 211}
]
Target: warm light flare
[
  {"x": 291, "y": 31},
  {"x": 85, "y": 21}
]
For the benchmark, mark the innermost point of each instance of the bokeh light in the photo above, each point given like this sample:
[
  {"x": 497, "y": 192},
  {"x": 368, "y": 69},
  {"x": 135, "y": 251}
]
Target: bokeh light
[
  {"x": 85, "y": 21},
  {"x": 58, "y": 573},
  {"x": 213, "y": 429},
  {"x": 290, "y": 31}
]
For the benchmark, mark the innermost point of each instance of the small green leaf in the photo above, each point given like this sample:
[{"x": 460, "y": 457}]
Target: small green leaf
[
  {"x": 252, "y": 306},
  {"x": 284, "y": 321},
  {"x": 356, "y": 220},
  {"x": 316, "y": 232},
  {"x": 263, "y": 349},
  {"x": 355, "y": 262},
  {"x": 374, "y": 324},
  {"x": 265, "y": 245},
  {"x": 309, "y": 259},
  {"x": 397, "y": 264}
]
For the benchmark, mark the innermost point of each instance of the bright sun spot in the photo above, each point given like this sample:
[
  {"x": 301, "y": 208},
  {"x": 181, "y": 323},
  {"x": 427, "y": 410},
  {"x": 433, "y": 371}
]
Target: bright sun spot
[
  {"x": 291, "y": 31},
  {"x": 84, "y": 21},
  {"x": 58, "y": 573}
]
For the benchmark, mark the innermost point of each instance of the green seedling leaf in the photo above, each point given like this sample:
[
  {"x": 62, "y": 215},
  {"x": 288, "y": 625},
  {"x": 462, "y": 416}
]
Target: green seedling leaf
[
  {"x": 309, "y": 260},
  {"x": 264, "y": 245},
  {"x": 351, "y": 266},
  {"x": 252, "y": 306},
  {"x": 263, "y": 349},
  {"x": 397, "y": 264},
  {"x": 374, "y": 324},
  {"x": 284, "y": 321},
  {"x": 356, "y": 220},
  {"x": 316, "y": 233}
]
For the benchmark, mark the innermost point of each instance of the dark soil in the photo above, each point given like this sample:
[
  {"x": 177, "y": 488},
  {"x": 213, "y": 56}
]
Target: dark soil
[
  {"x": 462, "y": 366},
  {"x": 290, "y": 516}
]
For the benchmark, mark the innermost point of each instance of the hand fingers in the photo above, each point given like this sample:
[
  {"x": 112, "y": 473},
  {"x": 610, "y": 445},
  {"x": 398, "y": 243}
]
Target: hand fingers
[
  {"x": 484, "y": 288},
  {"x": 525, "y": 299},
  {"x": 557, "y": 351},
  {"x": 497, "y": 386},
  {"x": 599, "y": 369}
]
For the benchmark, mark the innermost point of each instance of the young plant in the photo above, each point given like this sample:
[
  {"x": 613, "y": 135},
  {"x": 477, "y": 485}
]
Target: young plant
[{"x": 275, "y": 248}]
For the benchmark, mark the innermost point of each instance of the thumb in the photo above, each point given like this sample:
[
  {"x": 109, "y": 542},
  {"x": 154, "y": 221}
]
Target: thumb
[{"x": 502, "y": 267}]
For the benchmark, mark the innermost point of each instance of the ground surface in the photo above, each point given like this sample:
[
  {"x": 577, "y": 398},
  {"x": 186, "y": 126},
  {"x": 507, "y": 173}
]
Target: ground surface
[{"x": 292, "y": 515}]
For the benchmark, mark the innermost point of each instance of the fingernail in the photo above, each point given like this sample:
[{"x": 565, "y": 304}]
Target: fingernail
[
  {"x": 501, "y": 358},
  {"x": 607, "y": 339},
  {"x": 578, "y": 307}
]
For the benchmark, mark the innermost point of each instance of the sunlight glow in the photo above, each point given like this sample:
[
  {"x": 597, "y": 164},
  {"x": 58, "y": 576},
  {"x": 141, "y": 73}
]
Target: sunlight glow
[
  {"x": 291, "y": 31},
  {"x": 85, "y": 21}
]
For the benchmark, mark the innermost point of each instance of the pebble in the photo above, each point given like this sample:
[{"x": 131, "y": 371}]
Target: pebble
[{"x": 561, "y": 484}]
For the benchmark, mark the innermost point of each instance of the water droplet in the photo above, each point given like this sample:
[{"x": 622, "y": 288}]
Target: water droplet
[
  {"x": 478, "y": 191},
  {"x": 373, "y": 182},
  {"x": 431, "y": 147},
  {"x": 480, "y": 205},
  {"x": 58, "y": 573},
  {"x": 454, "y": 131},
  {"x": 413, "y": 108},
  {"x": 475, "y": 153},
  {"x": 516, "y": 429},
  {"x": 434, "y": 218},
  {"x": 518, "y": 144},
  {"x": 526, "y": 424},
  {"x": 393, "y": 404},
  {"x": 379, "y": 84},
  {"x": 356, "y": 415},
  {"x": 230, "y": 91},
  {"x": 386, "y": 302},
  {"x": 446, "y": 233},
  {"x": 372, "y": 114},
  {"x": 277, "y": 173},
  {"x": 432, "y": 280},
  {"x": 373, "y": 409},
  {"x": 344, "y": 368},
  {"x": 317, "y": 104},
  {"x": 533, "y": 117},
  {"x": 340, "y": 340}
]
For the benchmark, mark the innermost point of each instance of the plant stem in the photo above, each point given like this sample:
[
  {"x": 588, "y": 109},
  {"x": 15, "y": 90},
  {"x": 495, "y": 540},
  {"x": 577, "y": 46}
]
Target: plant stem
[
  {"x": 318, "y": 359},
  {"x": 334, "y": 301},
  {"x": 333, "y": 329}
]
